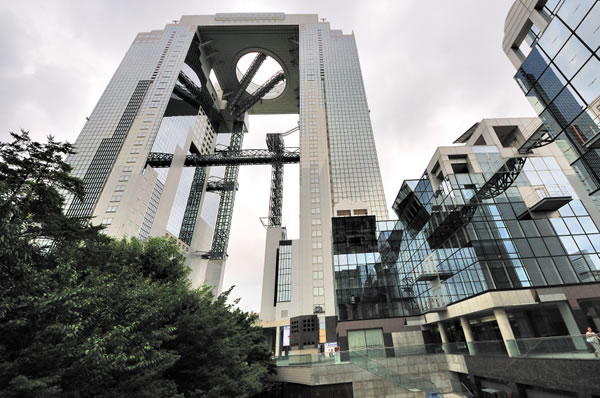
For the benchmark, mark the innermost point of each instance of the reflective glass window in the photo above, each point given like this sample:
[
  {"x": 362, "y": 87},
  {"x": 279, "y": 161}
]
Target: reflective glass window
[
  {"x": 586, "y": 125},
  {"x": 587, "y": 80},
  {"x": 565, "y": 269},
  {"x": 543, "y": 225},
  {"x": 584, "y": 244},
  {"x": 550, "y": 84},
  {"x": 536, "y": 100},
  {"x": 567, "y": 148},
  {"x": 588, "y": 225},
  {"x": 567, "y": 106},
  {"x": 569, "y": 244},
  {"x": 523, "y": 80},
  {"x": 573, "y": 11},
  {"x": 551, "y": 125},
  {"x": 554, "y": 37},
  {"x": 538, "y": 246},
  {"x": 534, "y": 272},
  {"x": 534, "y": 65},
  {"x": 572, "y": 57},
  {"x": 589, "y": 30},
  {"x": 559, "y": 226},
  {"x": 595, "y": 239},
  {"x": 573, "y": 225},
  {"x": 554, "y": 246},
  {"x": 549, "y": 271},
  {"x": 578, "y": 208}
]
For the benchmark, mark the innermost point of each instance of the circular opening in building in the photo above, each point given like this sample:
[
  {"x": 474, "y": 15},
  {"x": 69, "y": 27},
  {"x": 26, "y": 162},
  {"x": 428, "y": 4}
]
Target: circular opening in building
[{"x": 267, "y": 70}]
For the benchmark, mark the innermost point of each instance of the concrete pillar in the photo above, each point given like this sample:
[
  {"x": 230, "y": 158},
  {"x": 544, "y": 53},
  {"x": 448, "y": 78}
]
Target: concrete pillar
[
  {"x": 505, "y": 329},
  {"x": 569, "y": 319},
  {"x": 466, "y": 327},
  {"x": 443, "y": 333}
]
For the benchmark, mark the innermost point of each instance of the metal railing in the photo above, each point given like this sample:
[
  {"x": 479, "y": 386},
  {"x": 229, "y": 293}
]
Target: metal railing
[
  {"x": 541, "y": 192},
  {"x": 559, "y": 347},
  {"x": 456, "y": 348},
  {"x": 339, "y": 357}
]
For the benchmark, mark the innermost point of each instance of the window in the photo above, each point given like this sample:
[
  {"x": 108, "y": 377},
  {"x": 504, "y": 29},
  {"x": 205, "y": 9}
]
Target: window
[
  {"x": 135, "y": 150},
  {"x": 317, "y": 245},
  {"x": 115, "y": 198},
  {"x": 124, "y": 178},
  {"x": 317, "y": 259},
  {"x": 120, "y": 188},
  {"x": 284, "y": 274},
  {"x": 112, "y": 209},
  {"x": 131, "y": 160},
  {"x": 106, "y": 221},
  {"x": 318, "y": 291},
  {"x": 370, "y": 340},
  {"x": 317, "y": 274}
]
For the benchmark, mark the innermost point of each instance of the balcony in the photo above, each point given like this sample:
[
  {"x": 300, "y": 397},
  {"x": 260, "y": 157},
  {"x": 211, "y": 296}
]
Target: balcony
[
  {"x": 547, "y": 198},
  {"x": 428, "y": 270},
  {"x": 433, "y": 303}
]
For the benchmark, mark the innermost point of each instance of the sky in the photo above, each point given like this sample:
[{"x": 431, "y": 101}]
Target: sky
[{"x": 430, "y": 68}]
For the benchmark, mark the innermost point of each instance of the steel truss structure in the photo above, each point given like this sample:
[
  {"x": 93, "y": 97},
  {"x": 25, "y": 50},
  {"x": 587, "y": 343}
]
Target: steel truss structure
[
  {"x": 245, "y": 81},
  {"x": 276, "y": 155},
  {"x": 539, "y": 138},
  {"x": 218, "y": 251},
  {"x": 228, "y": 157},
  {"x": 446, "y": 223}
]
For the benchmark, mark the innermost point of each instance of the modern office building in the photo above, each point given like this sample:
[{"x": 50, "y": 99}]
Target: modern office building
[
  {"x": 485, "y": 283},
  {"x": 146, "y": 150},
  {"x": 554, "y": 45}
]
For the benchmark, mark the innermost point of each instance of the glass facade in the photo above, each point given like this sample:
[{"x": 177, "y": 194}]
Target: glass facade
[
  {"x": 283, "y": 272},
  {"x": 561, "y": 79},
  {"x": 464, "y": 238}
]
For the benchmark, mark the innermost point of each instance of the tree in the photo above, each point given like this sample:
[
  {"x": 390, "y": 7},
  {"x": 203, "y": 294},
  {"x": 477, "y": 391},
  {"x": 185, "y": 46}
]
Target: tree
[{"x": 83, "y": 315}]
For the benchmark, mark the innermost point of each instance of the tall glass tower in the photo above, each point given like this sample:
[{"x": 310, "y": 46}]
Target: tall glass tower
[{"x": 554, "y": 45}]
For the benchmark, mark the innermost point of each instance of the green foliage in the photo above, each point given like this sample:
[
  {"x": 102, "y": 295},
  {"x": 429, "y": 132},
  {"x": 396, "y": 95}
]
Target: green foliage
[{"x": 83, "y": 315}]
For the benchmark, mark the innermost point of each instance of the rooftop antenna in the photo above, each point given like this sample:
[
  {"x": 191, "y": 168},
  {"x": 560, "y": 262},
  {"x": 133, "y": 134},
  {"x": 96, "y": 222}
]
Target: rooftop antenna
[{"x": 323, "y": 19}]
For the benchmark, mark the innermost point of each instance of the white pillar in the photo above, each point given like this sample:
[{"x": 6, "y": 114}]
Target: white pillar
[
  {"x": 443, "y": 333},
  {"x": 505, "y": 329},
  {"x": 466, "y": 327}
]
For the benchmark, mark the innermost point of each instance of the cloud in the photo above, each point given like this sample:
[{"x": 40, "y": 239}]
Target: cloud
[{"x": 430, "y": 69}]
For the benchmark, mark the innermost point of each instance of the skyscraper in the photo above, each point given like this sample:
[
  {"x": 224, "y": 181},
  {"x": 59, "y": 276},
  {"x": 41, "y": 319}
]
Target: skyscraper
[
  {"x": 146, "y": 151},
  {"x": 554, "y": 45}
]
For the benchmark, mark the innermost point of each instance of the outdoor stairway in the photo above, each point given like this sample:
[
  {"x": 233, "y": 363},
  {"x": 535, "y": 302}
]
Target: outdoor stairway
[{"x": 418, "y": 386}]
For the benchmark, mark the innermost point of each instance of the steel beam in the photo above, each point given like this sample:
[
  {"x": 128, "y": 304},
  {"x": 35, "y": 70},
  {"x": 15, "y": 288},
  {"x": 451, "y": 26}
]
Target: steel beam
[
  {"x": 276, "y": 197},
  {"x": 220, "y": 241},
  {"x": 446, "y": 223},
  {"x": 250, "y": 73},
  {"x": 226, "y": 158},
  {"x": 239, "y": 109},
  {"x": 193, "y": 205}
]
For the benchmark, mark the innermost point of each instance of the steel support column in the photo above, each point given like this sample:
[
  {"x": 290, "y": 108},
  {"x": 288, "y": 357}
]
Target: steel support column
[{"x": 225, "y": 212}]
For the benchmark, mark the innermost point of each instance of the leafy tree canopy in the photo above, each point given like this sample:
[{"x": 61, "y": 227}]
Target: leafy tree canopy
[{"x": 84, "y": 315}]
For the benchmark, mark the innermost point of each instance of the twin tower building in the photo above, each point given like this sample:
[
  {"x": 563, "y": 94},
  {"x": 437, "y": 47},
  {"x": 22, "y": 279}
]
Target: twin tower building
[
  {"x": 146, "y": 151},
  {"x": 496, "y": 243}
]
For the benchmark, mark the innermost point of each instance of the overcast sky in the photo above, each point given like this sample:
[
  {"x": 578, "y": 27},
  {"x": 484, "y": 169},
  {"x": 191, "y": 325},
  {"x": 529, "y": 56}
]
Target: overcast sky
[{"x": 431, "y": 69}]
